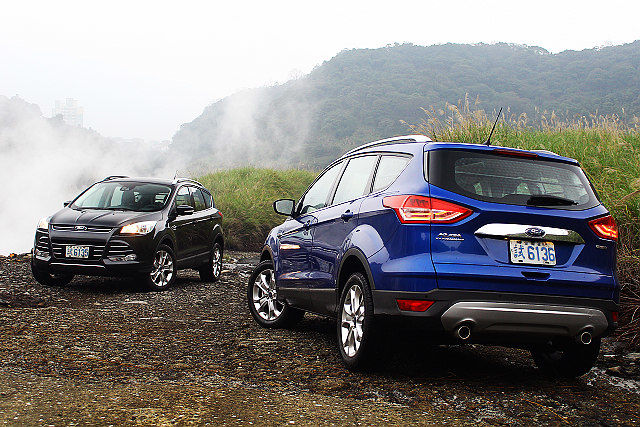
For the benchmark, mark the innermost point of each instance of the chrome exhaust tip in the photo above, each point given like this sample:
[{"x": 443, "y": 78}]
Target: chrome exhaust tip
[
  {"x": 463, "y": 332},
  {"x": 586, "y": 338}
]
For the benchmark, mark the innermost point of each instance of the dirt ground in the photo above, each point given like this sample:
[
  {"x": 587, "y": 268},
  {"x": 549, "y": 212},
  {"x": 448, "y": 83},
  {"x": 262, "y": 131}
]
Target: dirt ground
[{"x": 101, "y": 351}]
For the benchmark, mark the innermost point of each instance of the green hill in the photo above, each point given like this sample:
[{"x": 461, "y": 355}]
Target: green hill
[{"x": 363, "y": 94}]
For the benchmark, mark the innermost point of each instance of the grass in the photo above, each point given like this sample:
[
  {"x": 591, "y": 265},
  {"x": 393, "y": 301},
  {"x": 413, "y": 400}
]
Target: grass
[{"x": 245, "y": 197}]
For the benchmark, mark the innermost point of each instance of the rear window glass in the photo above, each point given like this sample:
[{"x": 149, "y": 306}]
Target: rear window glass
[{"x": 512, "y": 180}]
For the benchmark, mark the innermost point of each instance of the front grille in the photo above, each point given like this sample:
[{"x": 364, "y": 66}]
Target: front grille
[
  {"x": 119, "y": 249},
  {"x": 42, "y": 244},
  {"x": 83, "y": 228},
  {"x": 59, "y": 250}
]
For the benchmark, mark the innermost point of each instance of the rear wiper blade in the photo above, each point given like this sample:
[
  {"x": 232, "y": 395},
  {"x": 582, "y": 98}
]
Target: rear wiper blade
[{"x": 550, "y": 201}]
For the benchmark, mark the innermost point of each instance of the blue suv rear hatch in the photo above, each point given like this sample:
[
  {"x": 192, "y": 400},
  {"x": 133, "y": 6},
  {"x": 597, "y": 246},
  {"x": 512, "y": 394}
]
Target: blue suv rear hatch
[{"x": 536, "y": 225}]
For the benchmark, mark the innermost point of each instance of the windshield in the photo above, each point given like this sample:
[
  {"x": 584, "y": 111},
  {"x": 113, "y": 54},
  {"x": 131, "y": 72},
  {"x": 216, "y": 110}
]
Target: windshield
[
  {"x": 511, "y": 180},
  {"x": 126, "y": 196}
]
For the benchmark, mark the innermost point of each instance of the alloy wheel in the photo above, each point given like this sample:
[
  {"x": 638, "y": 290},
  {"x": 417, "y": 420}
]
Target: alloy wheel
[
  {"x": 265, "y": 296},
  {"x": 351, "y": 321},
  {"x": 162, "y": 272}
]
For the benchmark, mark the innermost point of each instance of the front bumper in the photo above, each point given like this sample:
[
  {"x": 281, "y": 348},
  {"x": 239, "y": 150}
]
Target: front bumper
[
  {"x": 105, "y": 254},
  {"x": 501, "y": 316}
]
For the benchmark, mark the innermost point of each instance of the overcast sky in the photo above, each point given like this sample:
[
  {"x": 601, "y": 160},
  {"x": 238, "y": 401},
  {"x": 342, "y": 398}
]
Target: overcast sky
[{"x": 140, "y": 69}]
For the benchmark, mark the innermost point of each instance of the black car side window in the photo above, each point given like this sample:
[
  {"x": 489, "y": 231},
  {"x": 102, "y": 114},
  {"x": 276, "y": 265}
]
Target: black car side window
[
  {"x": 198, "y": 199},
  {"x": 317, "y": 195},
  {"x": 184, "y": 197},
  {"x": 208, "y": 200}
]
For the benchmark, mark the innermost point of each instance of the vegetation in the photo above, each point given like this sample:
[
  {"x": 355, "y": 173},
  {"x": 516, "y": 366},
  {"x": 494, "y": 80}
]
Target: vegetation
[
  {"x": 245, "y": 197},
  {"x": 363, "y": 94}
]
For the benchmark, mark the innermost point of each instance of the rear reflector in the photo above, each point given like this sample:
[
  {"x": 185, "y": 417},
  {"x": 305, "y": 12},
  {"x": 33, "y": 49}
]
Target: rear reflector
[
  {"x": 614, "y": 316},
  {"x": 421, "y": 209},
  {"x": 605, "y": 227},
  {"x": 413, "y": 305}
]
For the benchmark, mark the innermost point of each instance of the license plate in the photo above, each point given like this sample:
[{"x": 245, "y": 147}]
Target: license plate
[
  {"x": 526, "y": 252},
  {"x": 77, "y": 252}
]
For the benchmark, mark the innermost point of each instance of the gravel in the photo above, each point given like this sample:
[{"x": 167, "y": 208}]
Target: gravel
[{"x": 102, "y": 351}]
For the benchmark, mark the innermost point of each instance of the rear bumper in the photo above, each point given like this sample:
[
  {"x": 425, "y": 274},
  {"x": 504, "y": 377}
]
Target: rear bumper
[{"x": 509, "y": 317}]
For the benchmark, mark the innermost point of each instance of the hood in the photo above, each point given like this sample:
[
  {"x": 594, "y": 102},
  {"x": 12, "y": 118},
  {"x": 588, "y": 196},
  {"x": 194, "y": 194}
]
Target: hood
[{"x": 102, "y": 218}]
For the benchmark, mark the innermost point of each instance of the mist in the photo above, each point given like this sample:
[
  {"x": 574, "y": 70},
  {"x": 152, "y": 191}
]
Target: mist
[{"x": 44, "y": 162}]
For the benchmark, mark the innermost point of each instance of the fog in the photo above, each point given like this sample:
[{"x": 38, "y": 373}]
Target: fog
[{"x": 44, "y": 162}]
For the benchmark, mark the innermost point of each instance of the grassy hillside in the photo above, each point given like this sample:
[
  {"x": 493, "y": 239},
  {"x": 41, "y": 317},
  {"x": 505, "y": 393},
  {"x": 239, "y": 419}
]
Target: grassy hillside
[{"x": 363, "y": 94}]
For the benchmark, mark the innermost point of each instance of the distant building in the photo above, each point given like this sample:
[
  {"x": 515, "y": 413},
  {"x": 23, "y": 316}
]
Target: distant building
[{"x": 70, "y": 111}]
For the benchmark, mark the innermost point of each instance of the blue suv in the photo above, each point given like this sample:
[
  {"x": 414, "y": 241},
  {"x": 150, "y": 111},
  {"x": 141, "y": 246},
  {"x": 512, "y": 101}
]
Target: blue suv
[{"x": 466, "y": 242}]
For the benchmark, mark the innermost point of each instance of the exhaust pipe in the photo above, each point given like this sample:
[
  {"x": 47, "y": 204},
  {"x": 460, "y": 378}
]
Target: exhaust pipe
[
  {"x": 586, "y": 338},
  {"x": 463, "y": 333}
]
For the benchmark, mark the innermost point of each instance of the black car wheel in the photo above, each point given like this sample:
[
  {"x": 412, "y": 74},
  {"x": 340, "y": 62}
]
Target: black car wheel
[
  {"x": 355, "y": 322},
  {"x": 570, "y": 360},
  {"x": 262, "y": 297},
  {"x": 210, "y": 272},
  {"x": 163, "y": 272},
  {"x": 49, "y": 279}
]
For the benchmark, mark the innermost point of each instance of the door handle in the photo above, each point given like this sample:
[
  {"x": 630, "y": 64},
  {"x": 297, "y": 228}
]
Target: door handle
[{"x": 347, "y": 215}]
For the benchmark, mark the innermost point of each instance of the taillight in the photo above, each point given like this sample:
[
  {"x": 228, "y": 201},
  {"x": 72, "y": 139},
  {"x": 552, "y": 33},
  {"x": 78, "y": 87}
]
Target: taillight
[
  {"x": 517, "y": 153},
  {"x": 605, "y": 227},
  {"x": 614, "y": 316},
  {"x": 413, "y": 305},
  {"x": 420, "y": 209}
]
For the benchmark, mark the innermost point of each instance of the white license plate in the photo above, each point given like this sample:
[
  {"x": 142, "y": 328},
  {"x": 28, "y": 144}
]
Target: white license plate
[
  {"x": 77, "y": 252},
  {"x": 526, "y": 252}
]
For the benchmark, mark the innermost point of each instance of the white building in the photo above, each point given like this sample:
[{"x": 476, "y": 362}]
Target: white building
[{"x": 70, "y": 111}]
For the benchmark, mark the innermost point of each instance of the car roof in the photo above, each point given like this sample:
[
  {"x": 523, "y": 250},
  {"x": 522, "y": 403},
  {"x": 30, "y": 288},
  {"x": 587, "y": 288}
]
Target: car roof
[
  {"x": 416, "y": 148},
  {"x": 153, "y": 180}
]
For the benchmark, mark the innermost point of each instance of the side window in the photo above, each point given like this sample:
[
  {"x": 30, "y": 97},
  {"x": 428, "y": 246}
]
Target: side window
[
  {"x": 198, "y": 199},
  {"x": 388, "y": 170},
  {"x": 317, "y": 195},
  {"x": 208, "y": 200},
  {"x": 355, "y": 179},
  {"x": 183, "y": 197}
]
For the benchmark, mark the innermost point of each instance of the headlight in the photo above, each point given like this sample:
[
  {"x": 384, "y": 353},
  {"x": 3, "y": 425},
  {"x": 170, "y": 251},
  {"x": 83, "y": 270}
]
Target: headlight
[
  {"x": 43, "y": 224},
  {"x": 143, "y": 227}
]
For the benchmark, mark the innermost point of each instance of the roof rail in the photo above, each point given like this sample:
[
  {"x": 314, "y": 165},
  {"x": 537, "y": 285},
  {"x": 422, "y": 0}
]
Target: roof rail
[
  {"x": 193, "y": 181},
  {"x": 114, "y": 177},
  {"x": 395, "y": 140}
]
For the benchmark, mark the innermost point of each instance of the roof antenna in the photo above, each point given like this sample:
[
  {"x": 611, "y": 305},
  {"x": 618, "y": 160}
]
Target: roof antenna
[
  {"x": 176, "y": 175},
  {"x": 488, "y": 141}
]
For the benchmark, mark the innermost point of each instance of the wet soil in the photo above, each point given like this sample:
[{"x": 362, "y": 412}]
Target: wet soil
[{"x": 102, "y": 351}]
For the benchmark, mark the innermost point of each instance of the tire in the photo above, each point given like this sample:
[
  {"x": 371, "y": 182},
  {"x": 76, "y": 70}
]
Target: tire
[
  {"x": 49, "y": 279},
  {"x": 262, "y": 298},
  {"x": 355, "y": 326},
  {"x": 569, "y": 361},
  {"x": 164, "y": 270},
  {"x": 210, "y": 272}
]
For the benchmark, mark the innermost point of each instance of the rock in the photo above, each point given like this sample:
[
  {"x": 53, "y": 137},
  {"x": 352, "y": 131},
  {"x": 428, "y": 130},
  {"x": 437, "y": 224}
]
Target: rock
[
  {"x": 615, "y": 370},
  {"x": 332, "y": 384}
]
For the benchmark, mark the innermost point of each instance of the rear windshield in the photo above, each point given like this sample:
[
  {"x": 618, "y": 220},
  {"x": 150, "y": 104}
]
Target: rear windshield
[{"x": 512, "y": 180}]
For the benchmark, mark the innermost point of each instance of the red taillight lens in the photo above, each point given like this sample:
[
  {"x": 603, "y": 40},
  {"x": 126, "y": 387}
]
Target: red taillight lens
[
  {"x": 420, "y": 209},
  {"x": 605, "y": 227},
  {"x": 614, "y": 316},
  {"x": 413, "y": 305}
]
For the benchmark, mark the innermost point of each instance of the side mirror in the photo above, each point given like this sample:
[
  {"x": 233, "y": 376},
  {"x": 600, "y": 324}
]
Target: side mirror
[
  {"x": 184, "y": 209},
  {"x": 284, "y": 206},
  {"x": 67, "y": 203}
]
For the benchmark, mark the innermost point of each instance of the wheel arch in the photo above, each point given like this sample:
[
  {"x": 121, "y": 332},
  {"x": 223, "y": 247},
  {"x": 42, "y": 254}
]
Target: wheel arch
[{"x": 353, "y": 260}]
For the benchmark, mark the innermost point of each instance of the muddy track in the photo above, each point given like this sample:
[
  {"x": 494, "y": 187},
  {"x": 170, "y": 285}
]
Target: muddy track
[{"x": 101, "y": 351}]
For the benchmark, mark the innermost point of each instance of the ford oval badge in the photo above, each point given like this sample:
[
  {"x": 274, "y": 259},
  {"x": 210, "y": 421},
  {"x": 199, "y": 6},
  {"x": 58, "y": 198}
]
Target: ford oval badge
[{"x": 535, "y": 232}]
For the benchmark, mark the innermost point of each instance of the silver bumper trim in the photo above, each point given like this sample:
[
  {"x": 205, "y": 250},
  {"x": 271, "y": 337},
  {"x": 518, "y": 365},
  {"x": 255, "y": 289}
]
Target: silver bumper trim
[{"x": 497, "y": 317}]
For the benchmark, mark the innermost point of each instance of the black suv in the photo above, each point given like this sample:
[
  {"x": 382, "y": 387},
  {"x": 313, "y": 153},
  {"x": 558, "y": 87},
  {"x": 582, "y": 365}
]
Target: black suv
[{"x": 142, "y": 227}]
